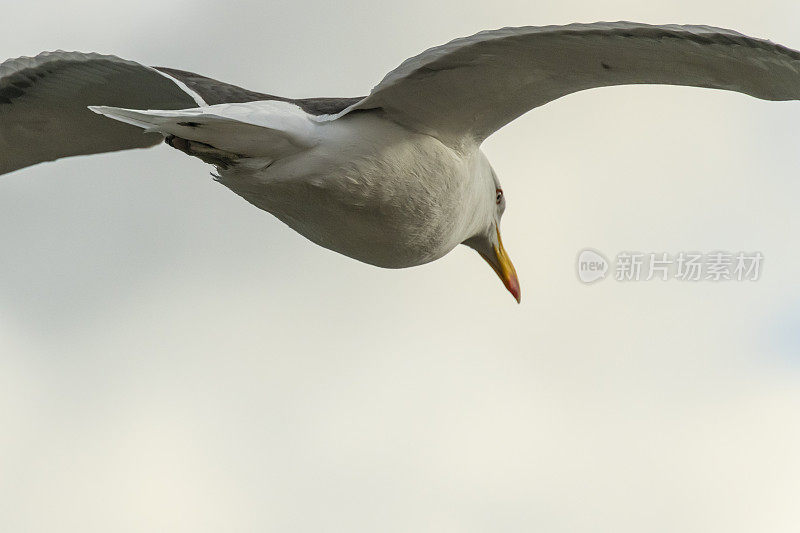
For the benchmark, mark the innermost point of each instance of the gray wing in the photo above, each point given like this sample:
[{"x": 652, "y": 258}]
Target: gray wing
[
  {"x": 217, "y": 92},
  {"x": 471, "y": 87},
  {"x": 43, "y": 99}
]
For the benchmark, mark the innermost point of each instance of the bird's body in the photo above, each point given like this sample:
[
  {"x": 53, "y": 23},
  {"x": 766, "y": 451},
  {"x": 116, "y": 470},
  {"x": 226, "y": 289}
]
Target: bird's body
[
  {"x": 370, "y": 189},
  {"x": 397, "y": 178}
]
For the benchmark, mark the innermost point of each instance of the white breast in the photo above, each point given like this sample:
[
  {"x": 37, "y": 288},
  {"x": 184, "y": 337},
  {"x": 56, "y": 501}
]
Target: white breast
[{"x": 370, "y": 189}]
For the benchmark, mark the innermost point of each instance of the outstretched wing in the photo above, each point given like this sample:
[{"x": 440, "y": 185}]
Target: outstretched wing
[
  {"x": 43, "y": 100},
  {"x": 470, "y": 87}
]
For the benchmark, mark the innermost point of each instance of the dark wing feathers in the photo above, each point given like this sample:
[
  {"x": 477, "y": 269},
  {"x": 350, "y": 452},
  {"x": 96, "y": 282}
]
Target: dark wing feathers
[
  {"x": 43, "y": 100},
  {"x": 217, "y": 92}
]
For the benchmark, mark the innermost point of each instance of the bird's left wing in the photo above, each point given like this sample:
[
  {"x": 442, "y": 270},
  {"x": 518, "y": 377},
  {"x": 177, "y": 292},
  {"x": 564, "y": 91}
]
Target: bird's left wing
[
  {"x": 43, "y": 101},
  {"x": 470, "y": 87}
]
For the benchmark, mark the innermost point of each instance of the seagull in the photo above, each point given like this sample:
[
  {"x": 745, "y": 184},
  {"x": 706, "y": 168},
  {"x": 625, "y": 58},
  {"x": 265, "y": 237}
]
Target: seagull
[{"x": 394, "y": 179}]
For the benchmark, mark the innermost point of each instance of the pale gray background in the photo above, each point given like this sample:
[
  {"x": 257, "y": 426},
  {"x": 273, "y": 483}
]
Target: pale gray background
[{"x": 176, "y": 360}]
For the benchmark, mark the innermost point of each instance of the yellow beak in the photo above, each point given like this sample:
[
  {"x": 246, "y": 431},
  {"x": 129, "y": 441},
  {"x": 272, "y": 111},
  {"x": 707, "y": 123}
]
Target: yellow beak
[{"x": 501, "y": 264}]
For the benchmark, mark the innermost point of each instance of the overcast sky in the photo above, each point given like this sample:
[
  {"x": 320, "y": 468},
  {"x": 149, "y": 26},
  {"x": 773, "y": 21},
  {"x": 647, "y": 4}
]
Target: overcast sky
[{"x": 173, "y": 359}]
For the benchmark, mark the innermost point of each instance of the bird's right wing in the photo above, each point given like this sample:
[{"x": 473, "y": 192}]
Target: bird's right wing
[
  {"x": 44, "y": 99},
  {"x": 470, "y": 87}
]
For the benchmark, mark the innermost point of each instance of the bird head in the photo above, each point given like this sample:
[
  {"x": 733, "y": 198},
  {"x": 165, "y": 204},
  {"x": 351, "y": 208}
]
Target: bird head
[{"x": 487, "y": 241}]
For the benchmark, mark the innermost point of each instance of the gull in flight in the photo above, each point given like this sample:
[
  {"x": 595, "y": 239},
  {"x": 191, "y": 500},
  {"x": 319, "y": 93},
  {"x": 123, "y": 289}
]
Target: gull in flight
[{"x": 396, "y": 178}]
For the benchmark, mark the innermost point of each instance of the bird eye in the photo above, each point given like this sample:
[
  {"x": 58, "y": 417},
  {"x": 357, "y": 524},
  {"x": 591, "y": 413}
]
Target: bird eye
[{"x": 499, "y": 198}]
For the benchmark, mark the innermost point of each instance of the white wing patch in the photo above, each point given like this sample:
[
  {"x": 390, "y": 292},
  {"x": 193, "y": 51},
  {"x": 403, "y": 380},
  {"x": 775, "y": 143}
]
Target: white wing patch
[{"x": 185, "y": 88}]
